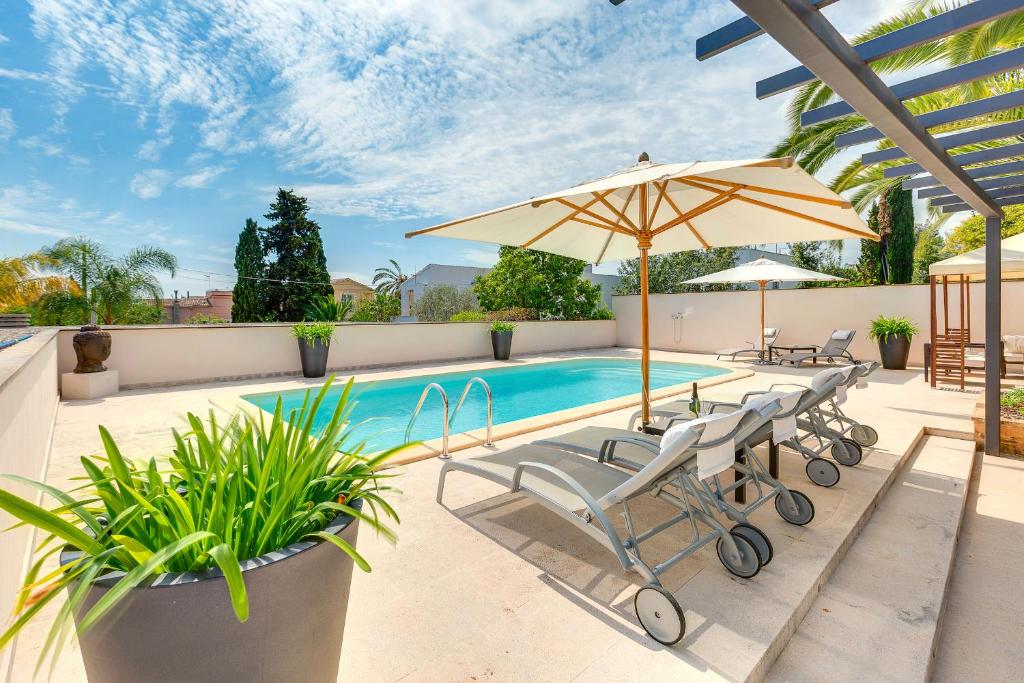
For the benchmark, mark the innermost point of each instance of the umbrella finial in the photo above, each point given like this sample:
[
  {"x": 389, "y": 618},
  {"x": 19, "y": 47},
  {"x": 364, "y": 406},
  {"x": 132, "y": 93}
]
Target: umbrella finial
[{"x": 643, "y": 157}]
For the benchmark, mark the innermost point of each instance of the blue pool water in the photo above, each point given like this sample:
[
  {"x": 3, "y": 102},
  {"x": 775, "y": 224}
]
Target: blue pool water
[{"x": 383, "y": 407}]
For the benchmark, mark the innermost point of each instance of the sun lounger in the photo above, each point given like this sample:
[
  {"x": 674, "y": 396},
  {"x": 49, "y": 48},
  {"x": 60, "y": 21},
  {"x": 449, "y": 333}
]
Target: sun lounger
[
  {"x": 582, "y": 490},
  {"x": 835, "y": 347},
  {"x": 771, "y": 334},
  {"x": 628, "y": 449}
]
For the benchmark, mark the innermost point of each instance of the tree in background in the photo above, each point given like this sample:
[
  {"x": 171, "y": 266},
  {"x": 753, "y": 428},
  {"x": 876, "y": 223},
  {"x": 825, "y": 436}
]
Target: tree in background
[
  {"x": 121, "y": 285},
  {"x": 971, "y": 233},
  {"x": 666, "y": 272},
  {"x": 869, "y": 265},
  {"x": 327, "y": 309},
  {"x": 902, "y": 236},
  {"x": 440, "y": 302},
  {"x": 379, "y": 309},
  {"x": 79, "y": 259},
  {"x": 22, "y": 283},
  {"x": 249, "y": 302},
  {"x": 298, "y": 270},
  {"x": 548, "y": 283},
  {"x": 389, "y": 280},
  {"x": 928, "y": 250}
]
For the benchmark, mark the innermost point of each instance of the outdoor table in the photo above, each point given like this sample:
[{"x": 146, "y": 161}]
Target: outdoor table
[{"x": 792, "y": 348}]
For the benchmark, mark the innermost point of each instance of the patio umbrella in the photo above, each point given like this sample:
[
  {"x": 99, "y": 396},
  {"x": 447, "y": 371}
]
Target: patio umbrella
[
  {"x": 762, "y": 271},
  {"x": 662, "y": 208}
]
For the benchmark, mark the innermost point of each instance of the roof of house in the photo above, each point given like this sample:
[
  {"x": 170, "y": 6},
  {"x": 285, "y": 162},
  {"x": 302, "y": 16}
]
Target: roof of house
[{"x": 349, "y": 281}]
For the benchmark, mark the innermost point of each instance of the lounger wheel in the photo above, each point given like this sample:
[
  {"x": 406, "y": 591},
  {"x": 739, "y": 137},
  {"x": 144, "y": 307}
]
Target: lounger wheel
[
  {"x": 748, "y": 562},
  {"x": 864, "y": 435},
  {"x": 758, "y": 538},
  {"x": 822, "y": 472},
  {"x": 802, "y": 511},
  {"x": 847, "y": 452},
  {"x": 660, "y": 614}
]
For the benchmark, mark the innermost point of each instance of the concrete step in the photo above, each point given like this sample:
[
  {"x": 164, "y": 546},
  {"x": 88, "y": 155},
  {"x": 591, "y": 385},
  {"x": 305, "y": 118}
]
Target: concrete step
[{"x": 878, "y": 617}]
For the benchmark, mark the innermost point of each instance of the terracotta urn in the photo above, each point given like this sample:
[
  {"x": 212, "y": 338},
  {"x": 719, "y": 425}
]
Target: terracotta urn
[{"x": 92, "y": 347}]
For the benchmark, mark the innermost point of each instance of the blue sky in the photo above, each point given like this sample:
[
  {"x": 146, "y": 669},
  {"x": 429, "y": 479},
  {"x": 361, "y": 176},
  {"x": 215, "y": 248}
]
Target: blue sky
[{"x": 170, "y": 123}]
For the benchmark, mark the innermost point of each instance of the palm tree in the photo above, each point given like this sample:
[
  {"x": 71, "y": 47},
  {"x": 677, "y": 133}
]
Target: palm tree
[
  {"x": 815, "y": 145},
  {"x": 120, "y": 284},
  {"x": 81, "y": 260},
  {"x": 22, "y": 283},
  {"x": 328, "y": 309},
  {"x": 389, "y": 280}
]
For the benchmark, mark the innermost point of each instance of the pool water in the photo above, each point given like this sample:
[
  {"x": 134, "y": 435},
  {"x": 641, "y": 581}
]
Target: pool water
[{"x": 383, "y": 407}]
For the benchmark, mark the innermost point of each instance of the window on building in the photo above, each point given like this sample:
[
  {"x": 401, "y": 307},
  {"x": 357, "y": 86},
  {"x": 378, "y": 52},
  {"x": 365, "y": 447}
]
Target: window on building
[{"x": 346, "y": 298}]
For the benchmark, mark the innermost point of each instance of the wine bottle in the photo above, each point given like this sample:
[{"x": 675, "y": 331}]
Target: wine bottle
[{"x": 694, "y": 401}]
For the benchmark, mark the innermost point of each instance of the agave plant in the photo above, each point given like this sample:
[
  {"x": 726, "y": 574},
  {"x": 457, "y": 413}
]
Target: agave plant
[
  {"x": 226, "y": 494},
  {"x": 328, "y": 309}
]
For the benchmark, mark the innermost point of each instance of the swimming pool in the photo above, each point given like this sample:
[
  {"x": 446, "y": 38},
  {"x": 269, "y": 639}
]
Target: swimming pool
[{"x": 519, "y": 392}]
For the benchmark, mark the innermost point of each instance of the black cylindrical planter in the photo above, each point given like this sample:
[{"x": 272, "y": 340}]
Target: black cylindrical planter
[
  {"x": 501, "y": 342},
  {"x": 314, "y": 357},
  {"x": 895, "y": 350},
  {"x": 182, "y": 626}
]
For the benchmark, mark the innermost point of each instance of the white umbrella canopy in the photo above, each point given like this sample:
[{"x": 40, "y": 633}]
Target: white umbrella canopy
[
  {"x": 972, "y": 263},
  {"x": 662, "y": 208},
  {"x": 762, "y": 271}
]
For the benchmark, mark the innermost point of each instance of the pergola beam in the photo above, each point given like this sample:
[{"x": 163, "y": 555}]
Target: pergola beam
[
  {"x": 987, "y": 184},
  {"x": 979, "y": 172},
  {"x": 808, "y": 36},
  {"x": 1005, "y": 201},
  {"x": 928, "y": 30},
  {"x": 1011, "y": 191},
  {"x": 732, "y": 34},
  {"x": 940, "y": 117},
  {"x": 976, "y": 157},
  {"x": 970, "y": 137},
  {"x": 998, "y": 63}
]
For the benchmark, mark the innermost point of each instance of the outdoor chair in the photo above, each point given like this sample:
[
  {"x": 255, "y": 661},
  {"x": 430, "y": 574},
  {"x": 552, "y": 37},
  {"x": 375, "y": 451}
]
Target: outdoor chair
[
  {"x": 771, "y": 334},
  {"x": 1013, "y": 352},
  {"x": 836, "y": 347}
]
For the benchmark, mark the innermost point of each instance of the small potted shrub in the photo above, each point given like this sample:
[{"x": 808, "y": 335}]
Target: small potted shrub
[
  {"x": 230, "y": 560},
  {"x": 893, "y": 336},
  {"x": 314, "y": 345},
  {"x": 501, "y": 339}
]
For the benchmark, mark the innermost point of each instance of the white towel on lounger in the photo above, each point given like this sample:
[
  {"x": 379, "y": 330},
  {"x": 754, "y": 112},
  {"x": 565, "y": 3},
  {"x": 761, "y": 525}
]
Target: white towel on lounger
[{"x": 711, "y": 461}]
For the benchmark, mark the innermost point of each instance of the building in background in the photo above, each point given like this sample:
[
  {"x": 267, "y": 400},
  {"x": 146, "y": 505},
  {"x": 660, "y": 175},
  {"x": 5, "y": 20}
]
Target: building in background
[
  {"x": 461, "y": 277},
  {"x": 216, "y": 303},
  {"x": 748, "y": 254},
  {"x": 347, "y": 289}
]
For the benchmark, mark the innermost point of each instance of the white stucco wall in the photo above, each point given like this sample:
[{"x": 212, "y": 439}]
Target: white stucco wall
[
  {"x": 28, "y": 405},
  {"x": 164, "y": 355},
  {"x": 717, "y": 320}
]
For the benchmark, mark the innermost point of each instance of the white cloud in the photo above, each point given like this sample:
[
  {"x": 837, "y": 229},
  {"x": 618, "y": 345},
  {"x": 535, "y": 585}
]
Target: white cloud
[
  {"x": 150, "y": 183},
  {"x": 3, "y": 38},
  {"x": 479, "y": 257},
  {"x": 7, "y": 126},
  {"x": 201, "y": 178},
  {"x": 150, "y": 150}
]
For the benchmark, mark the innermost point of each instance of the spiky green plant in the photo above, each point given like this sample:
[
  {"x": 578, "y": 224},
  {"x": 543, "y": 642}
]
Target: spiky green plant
[
  {"x": 329, "y": 309},
  {"x": 227, "y": 493}
]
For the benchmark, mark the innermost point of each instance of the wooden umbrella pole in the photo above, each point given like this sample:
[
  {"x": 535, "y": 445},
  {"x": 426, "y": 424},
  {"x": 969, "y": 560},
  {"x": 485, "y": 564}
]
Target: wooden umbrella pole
[
  {"x": 643, "y": 242},
  {"x": 761, "y": 284}
]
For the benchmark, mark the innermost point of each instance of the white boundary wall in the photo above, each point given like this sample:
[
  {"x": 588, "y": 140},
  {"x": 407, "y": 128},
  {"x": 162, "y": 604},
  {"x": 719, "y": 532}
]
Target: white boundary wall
[
  {"x": 166, "y": 355},
  {"x": 718, "y": 320},
  {"x": 28, "y": 406}
]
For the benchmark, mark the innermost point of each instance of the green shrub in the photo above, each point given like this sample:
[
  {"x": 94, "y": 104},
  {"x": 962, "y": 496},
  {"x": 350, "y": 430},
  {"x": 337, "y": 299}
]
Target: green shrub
[
  {"x": 882, "y": 328},
  {"x": 603, "y": 313},
  {"x": 514, "y": 314},
  {"x": 314, "y": 332},
  {"x": 226, "y": 494},
  {"x": 204, "y": 319},
  {"x": 1014, "y": 398},
  {"x": 502, "y": 326},
  {"x": 468, "y": 317},
  {"x": 327, "y": 309},
  {"x": 381, "y": 308}
]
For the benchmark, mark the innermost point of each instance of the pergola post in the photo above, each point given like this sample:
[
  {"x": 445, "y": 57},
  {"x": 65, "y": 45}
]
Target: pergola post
[{"x": 993, "y": 330}]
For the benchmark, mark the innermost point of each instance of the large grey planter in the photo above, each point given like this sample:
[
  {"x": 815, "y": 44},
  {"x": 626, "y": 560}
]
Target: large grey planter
[
  {"x": 501, "y": 344},
  {"x": 314, "y": 357},
  {"x": 895, "y": 350},
  {"x": 182, "y": 627}
]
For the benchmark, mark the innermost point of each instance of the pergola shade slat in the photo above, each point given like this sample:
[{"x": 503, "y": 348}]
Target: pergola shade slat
[
  {"x": 970, "y": 137},
  {"x": 1006, "y": 201},
  {"x": 979, "y": 172},
  {"x": 733, "y": 34},
  {"x": 1012, "y": 191},
  {"x": 932, "y": 28},
  {"x": 987, "y": 184},
  {"x": 980, "y": 156}
]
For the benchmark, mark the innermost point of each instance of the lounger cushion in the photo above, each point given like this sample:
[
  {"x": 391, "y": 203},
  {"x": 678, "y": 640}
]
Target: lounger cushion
[
  {"x": 842, "y": 335},
  {"x": 596, "y": 478},
  {"x": 589, "y": 440}
]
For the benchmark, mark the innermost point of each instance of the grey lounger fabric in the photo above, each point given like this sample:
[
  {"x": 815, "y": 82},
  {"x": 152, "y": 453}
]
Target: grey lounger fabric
[
  {"x": 771, "y": 334},
  {"x": 835, "y": 347}
]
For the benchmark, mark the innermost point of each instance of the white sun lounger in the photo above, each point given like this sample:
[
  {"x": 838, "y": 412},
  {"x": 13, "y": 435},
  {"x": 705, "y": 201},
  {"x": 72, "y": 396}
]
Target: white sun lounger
[
  {"x": 835, "y": 347},
  {"x": 582, "y": 490},
  {"x": 771, "y": 335}
]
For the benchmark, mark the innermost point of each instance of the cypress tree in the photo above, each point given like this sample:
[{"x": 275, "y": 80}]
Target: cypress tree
[
  {"x": 902, "y": 236},
  {"x": 297, "y": 274},
  {"x": 249, "y": 302},
  {"x": 869, "y": 265}
]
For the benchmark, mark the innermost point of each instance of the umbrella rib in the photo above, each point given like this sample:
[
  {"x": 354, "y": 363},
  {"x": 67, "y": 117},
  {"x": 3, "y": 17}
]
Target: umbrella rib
[
  {"x": 547, "y": 231},
  {"x": 657, "y": 201},
  {"x": 841, "y": 203},
  {"x": 602, "y": 226},
  {"x": 813, "y": 219},
  {"x": 696, "y": 234},
  {"x": 622, "y": 217},
  {"x": 710, "y": 204},
  {"x": 586, "y": 211},
  {"x": 622, "y": 214}
]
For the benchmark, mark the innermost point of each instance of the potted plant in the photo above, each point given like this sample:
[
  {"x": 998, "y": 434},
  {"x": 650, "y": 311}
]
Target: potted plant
[
  {"x": 893, "y": 336},
  {"x": 501, "y": 339},
  {"x": 229, "y": 560},
  {"x": 314, "y": 345}
]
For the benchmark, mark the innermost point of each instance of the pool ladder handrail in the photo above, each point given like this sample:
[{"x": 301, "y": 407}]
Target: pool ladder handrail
[
  {"x": 490, "y": 405},
  {"x": 416, "y": 413}
]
